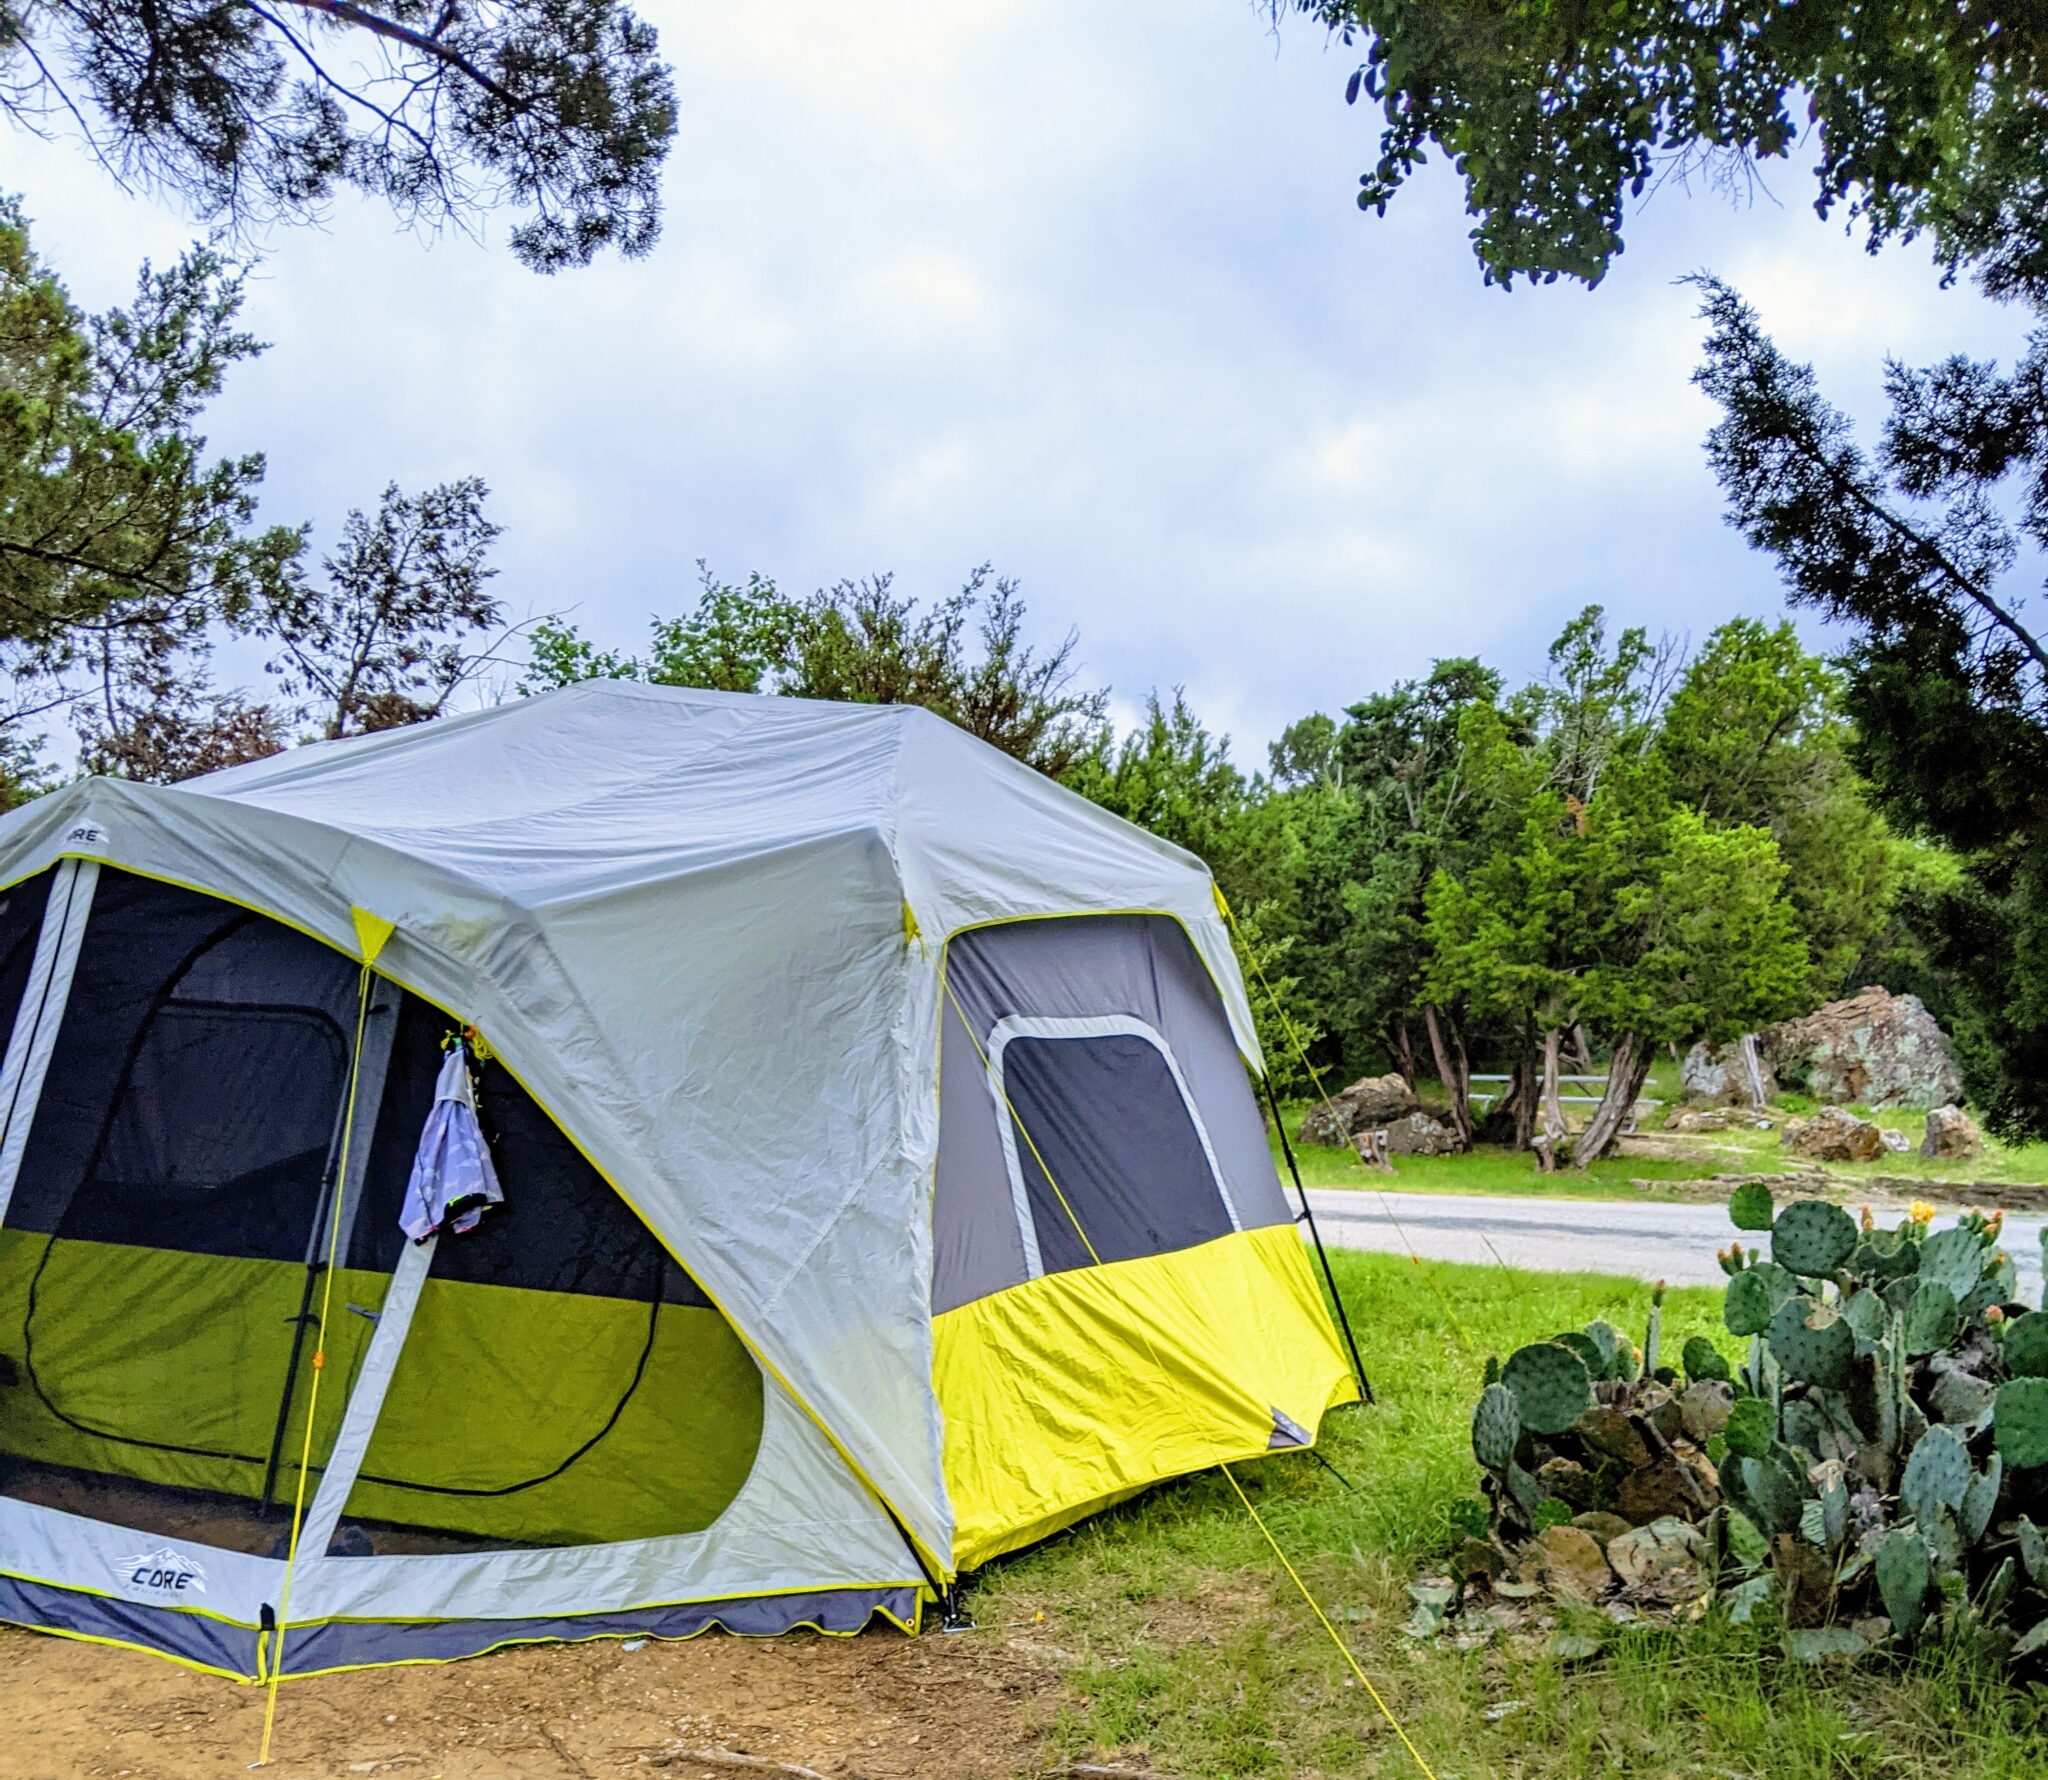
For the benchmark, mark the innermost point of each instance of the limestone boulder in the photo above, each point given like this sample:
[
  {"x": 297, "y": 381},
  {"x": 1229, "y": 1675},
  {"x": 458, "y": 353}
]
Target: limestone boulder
[
  {"x": 1420, "y": 1135},
  {"x": 1952, "y": 1135},
  {"x": 1833, "y": 1135},
  {"x": 1715, "y": 1075},
  {"x": 1872, "y": 1049},
  {"x": 1367, "y": 1105}
]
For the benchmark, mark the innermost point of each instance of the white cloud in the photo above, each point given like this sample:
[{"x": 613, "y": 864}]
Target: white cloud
[{"x": 1081, "y": 290}]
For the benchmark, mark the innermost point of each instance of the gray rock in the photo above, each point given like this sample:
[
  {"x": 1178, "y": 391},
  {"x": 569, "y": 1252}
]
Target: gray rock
[
  {"x": 1873, "y": 1049},
  {"x": 1420, "y": 1135},
  {"x": 1833, "y": 1135},
  {"x": 1715, "y": 1075},
  {"x": 1895, "y": 1141},
  {"x": 1366, "y": 1105},
  {"x": 1952, "y": 1135}
]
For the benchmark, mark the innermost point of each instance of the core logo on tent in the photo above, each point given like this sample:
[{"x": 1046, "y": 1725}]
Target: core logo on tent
[{"x": 166, "y": 1569}]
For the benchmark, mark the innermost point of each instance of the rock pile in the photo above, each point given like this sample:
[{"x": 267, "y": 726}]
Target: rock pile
[
  {"x": 1872, "y": 1049},
  {"x": 1952, "y": 1136},
  {"x": 1833, "y": 1135},
  {"x": 1367, "y": 1105}
]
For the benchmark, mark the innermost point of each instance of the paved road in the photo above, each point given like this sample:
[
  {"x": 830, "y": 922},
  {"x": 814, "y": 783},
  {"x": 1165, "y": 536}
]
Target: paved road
[{"x": 1674, "y": 1242}]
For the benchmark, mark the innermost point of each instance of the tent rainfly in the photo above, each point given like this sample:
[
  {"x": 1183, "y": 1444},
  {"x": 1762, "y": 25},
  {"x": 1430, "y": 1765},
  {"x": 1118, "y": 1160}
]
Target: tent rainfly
[{"x": 882, "y": 1184}]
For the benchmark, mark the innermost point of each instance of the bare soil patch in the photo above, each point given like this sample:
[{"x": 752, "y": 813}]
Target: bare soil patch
[{"x": 877, "y": 1707}]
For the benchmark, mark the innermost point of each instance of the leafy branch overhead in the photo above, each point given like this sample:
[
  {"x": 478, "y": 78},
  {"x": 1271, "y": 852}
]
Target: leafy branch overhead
[
  {"x": 1921, "y": 118},
  {"x": 1925, "y": 546},
  {"x": 254, "y": 111}
]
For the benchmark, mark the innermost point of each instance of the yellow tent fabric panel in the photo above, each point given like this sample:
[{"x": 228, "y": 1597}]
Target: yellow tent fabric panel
[
  {"x": 163, "y": 1349},
  {"x": 1078, "y": 1388},
  {"x": 499, "y": 1384},
  {"x": 166, "y": 1350}
]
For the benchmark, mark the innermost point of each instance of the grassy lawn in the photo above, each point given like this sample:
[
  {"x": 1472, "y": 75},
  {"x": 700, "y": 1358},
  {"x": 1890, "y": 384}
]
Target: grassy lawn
[
  {"x": 1492, "y": 1169},
  {"x": 1186, "y": 1651}
]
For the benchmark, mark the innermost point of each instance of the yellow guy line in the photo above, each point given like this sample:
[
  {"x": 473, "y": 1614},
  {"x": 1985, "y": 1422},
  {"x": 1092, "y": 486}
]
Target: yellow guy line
[
  {"x": 1166, "y": 1372},
  {"x": 291, "y": 1557},
  {"x": 1315, "y": 1078}
]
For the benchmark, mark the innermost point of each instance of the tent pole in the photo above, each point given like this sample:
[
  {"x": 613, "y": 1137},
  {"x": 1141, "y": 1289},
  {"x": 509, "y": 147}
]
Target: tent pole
[{"x": 1308, "y": 1216}]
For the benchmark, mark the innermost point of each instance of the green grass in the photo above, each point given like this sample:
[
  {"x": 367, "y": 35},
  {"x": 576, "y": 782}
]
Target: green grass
[
  {"x": 1493, "y": 1169},
  {"x": 1185, "y": 1649}
]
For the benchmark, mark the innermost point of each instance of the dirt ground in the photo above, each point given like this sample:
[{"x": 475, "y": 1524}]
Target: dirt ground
[{"x": 878, "y": 1707}]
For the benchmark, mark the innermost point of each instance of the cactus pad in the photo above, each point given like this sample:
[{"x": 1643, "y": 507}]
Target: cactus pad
[
  {"x": 2026, "y": 1345},
  {"x": 1903, "y": 1579},
  {"x": 1932, "y": 1318},
  {"x": 1750, "y": 1206},
  {"x": 1703, "y": 1360},
  {"x": 1550, "y": 1385},
  {"x": 1751, "y": 1429},
  {"x": 1813, "y": 1237},
  {"x": 1882, "y": 1256},
  {"x": 1954, "y": 1258},
  {"x": 2019, "y": 1422},
  {"x": 1813, "y": 1343},
  {"x": 2033, "y": 1550},
  {"x": 1938, "y": 1477},
  {"x": 1867, "y": 1317},
  {"x": 1496, "y": 1426},
  {"x": 1746, "y": 1306},
  {"x": 1618, "y": 1352}
]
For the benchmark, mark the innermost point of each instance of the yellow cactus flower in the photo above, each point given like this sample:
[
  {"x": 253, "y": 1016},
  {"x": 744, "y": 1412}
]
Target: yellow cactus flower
[
  {"x": 1869, "y": 1222},
  {"x": 1922, "y": 1212},
  {"x": 1994, "y": 1314}
]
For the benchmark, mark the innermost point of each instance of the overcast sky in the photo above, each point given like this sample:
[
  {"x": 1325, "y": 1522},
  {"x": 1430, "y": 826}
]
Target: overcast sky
[{"x": 1078, "y": 290}]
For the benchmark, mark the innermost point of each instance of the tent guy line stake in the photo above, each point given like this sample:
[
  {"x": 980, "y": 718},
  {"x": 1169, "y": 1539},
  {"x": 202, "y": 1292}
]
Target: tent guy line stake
[
  {"x": 1166, "y": 1372},
  {"x": 291, "y": 1555}
]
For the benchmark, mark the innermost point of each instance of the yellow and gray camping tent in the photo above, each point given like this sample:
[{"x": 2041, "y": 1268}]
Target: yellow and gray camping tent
[{"x": 883, "y": 1185}]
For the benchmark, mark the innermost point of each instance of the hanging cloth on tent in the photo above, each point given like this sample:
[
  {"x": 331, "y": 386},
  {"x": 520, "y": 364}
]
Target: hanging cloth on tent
[{"x": 453, "y": 1179}]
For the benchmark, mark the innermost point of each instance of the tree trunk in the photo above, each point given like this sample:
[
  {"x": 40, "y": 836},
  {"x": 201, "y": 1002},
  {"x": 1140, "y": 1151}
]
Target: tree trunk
[
  {"x": 1525, "y": 1091},
  {"x": 1579, "y": 1049},
  {"x": 1404, "y": 1053},
  {"x": 1627, "y": 1070},
  {"x": 1553, "y": 1108},
  {"x": 1452, "y": 1073}
]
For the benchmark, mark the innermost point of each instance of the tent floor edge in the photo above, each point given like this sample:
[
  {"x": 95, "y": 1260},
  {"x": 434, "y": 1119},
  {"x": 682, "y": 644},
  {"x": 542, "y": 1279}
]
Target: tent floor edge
[{"x": 231, "y": 1650}]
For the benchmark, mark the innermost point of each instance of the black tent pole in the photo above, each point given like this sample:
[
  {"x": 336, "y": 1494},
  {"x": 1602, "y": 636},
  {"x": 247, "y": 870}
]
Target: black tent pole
[{"x": 1308, "y": 1215}]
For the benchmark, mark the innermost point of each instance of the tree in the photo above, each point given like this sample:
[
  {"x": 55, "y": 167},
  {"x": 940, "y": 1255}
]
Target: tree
[
  {"x": 1626, "y": 910},
  {"x": 111, "y": 515},
  {"x": 863, "y": 642},
  {"x": 384, "y": 638},
  {"x": 1917, "y": 550},
  {"x": 1926, "y": 117},
  {"x": 1422, "y": 764},
  {"x": 252, "y": 111},
  {"x": 1754, "y": 735}
]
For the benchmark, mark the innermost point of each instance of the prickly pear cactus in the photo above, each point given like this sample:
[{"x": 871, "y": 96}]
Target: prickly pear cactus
[
  {"x": 1932, "y": 1317},
  {"x": 1551, "y": 1385},
  {"x": 1750, "y": 1206},
  {"x": 1953, "y": 1258},
  {"x": 1813, "y": 1238},
  {"x": 1496, "y": 1427},
  {"x": 1702, "y": 1360},
  {"x": 1813, "y": 1343},
  {"x": 1938, "y": 1477},
  {"x": 2026, "y": 1345},
  {"x": 2019, "y": 1422},
  {"x": 1904, "y": 1577}
]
